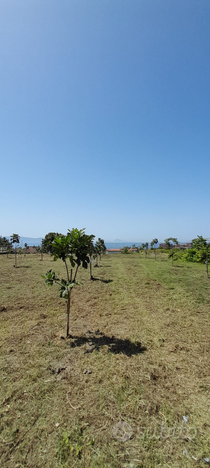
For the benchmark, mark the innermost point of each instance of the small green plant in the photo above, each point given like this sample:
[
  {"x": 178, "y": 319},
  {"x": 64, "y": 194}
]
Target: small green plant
[{"x": 68, "y": 450}]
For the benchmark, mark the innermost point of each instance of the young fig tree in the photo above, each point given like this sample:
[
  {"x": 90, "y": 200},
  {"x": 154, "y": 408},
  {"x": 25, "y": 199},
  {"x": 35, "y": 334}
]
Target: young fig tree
[
  {"x": 5, "y": 245},
  {"x": 171, "y": 242},
  {"x": 73, "y": 249},
  {"x": 100, "y": 249},
  {"x": 154, "y": 241},
  {"x": 92, "y": 255},
  {"x": 203, "y": 248},
  {"x": 15, "y": 239},
  {"x": 145, "y": 248}
]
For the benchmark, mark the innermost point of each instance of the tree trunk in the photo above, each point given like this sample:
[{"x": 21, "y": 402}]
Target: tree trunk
[
  {"x": 15, "y": 259},
  {"x": 68, "y": 311},
  {"x": 91, "y": 276},
  {"x": 207, "y": 266}
]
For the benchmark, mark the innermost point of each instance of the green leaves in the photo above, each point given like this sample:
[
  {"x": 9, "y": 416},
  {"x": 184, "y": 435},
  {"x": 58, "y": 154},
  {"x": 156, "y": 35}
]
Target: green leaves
[
  {"x": 5, "y": 244},
  {"x": 100, "y": 246},
  {"x": 75, "y": 247},
  {"x": 15, "y": 239},
  {"x": 154, "y": 241},
  {"x": 199, "y": 243},
  {"x": 171, "y": 239},
  {"x": 50, "y": 278},
  {"x": 47, "y": 242}
]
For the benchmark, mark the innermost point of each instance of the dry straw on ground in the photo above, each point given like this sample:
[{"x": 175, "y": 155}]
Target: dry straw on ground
[{"x": 114, "y": 394}]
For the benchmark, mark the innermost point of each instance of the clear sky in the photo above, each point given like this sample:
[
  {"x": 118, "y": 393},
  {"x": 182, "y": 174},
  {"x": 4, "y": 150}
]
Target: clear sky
[{"x": 105, "y": 118}]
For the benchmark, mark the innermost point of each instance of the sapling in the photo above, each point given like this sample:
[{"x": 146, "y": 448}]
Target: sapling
[
  {"x": 73, "y": 249},
  {"x": 15, "y": 239},
  {"x": 145, "y": 248},
  {"x": 100, "y": 249},
  {"x": 169, "y": 246},
  {"x": 203, "y": 248},
  {"x": 154, "y": 241}
]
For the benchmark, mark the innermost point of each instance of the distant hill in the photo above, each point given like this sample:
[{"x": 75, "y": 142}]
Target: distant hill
[{"x": 29, "y": 240}]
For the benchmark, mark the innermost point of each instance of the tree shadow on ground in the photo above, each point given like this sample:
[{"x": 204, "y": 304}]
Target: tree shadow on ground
[
  {"x": 102, "y": 280},
  {"x": 22, "y": 266},
  {"x": 97, "y": 340}
]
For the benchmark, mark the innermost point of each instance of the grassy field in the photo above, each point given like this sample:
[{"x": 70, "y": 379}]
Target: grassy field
[{"x": 114, "y": 394}]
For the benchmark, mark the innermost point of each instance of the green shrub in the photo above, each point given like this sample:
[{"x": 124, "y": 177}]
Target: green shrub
[{"x": 194, "y": 255}]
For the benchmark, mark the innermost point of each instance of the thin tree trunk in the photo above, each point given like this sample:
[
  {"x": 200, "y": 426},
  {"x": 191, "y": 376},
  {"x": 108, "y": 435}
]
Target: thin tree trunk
[
  {"x": 67, "y": 271},
  {"x": 207, "y": 266},
  {"x": 91, "y": 268},
  {"x": 76, "y": 273},
  {"x": 15, "y": 259},
  {"x": 68, "y": 311}
]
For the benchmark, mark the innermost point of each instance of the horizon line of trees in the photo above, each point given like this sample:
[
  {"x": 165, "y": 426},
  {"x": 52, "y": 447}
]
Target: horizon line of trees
[{"x": 198, "y": 252}]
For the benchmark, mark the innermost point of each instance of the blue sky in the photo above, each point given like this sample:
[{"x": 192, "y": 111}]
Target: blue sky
[{"x": 105, "y": 118}]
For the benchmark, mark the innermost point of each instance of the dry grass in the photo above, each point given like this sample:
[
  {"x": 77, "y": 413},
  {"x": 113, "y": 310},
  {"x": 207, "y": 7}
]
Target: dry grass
[{"x": 139, "y": 353}]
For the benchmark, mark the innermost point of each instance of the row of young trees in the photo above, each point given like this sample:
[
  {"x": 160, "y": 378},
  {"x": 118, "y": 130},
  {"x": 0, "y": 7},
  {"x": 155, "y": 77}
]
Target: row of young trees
[
  {"x": 75, "y": 249},
  {"x": 6, "y": 245},
  {"x": 199, "y": 251}
]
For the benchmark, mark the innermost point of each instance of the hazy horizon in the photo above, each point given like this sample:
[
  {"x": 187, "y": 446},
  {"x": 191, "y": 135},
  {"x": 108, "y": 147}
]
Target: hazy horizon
[{"x": 37, "y": 241}]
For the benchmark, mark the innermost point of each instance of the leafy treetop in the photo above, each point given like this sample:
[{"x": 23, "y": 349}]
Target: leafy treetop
[
  {"x": 48, "y": 240},
  {"x": 5, "y": 243},
  {"x": 199, "y": 243},
  {"x": 15, "y": 239},
  {"x": 154, "y": 241},
  {"x": 169, "y": 240}
]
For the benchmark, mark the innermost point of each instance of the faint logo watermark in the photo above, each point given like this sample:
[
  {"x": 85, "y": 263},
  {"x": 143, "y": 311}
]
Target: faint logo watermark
[{"x": 122, "y": 431}]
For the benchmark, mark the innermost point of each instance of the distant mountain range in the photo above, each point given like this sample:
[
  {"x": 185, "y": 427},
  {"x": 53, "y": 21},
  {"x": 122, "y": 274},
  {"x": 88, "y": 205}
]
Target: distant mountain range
[
  {"x": 29, "y": 240},
  {"x": 117, "y": 243}
]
